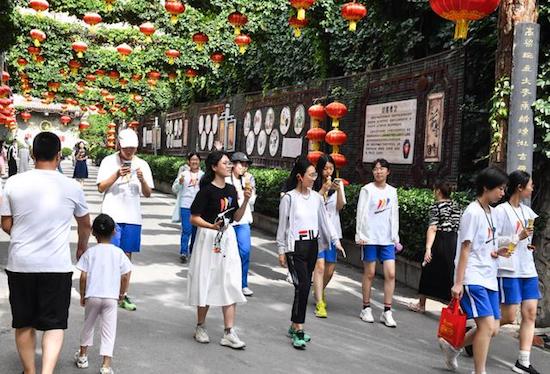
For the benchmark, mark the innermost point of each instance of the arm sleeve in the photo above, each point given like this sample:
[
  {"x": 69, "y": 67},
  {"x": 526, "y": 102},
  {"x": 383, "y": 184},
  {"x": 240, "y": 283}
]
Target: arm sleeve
[
  {"x": 199, "y": 204},
  {"x": 81, "y": 206},
  {"x": 83, "y": 263},
  {"x": 326, "y": 226},
  {"x": 468, "y": 227},
  {"x": 433, "y": 215},
  {"x": 148, "y": 175},
  {"x": 104, "y": 171},
  {"x": 5, "y": 207},
  {"x": 176, "y": 186},
  {"x": 125, "y": 264},
  {"x": 284, "y": 213},
  {"x": 361, "y": 206}
]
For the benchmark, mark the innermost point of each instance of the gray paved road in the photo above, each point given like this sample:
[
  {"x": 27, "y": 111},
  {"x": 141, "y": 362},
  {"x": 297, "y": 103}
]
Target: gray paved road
[{"x": 157, "y": 338}]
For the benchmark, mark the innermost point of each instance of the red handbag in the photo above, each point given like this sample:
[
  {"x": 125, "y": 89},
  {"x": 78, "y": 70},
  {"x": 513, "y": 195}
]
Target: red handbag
[{"x": 452, "y": 324}]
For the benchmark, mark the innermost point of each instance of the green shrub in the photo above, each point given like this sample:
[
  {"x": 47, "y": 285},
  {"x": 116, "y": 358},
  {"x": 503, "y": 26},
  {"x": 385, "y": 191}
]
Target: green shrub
[
  {"x": 98, "y": 153},
  {"x": 164, "y": 168},
  {"x": 66, "y": 152}
]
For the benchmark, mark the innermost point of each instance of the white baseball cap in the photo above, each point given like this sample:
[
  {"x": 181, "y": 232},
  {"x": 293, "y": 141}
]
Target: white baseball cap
[{"x": 127, "y": 138}]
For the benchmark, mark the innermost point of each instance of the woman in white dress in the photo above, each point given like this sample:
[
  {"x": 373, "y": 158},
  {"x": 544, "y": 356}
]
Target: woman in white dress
[{"x": 214, "y": 277}]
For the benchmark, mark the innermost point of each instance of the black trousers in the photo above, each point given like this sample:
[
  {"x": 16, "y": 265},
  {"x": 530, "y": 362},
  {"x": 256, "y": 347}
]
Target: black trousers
[{"x": 301, "y": 264}]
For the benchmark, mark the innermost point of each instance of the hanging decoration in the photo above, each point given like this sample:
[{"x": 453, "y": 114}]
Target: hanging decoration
[
  {"x": 133, "y": 125},
  {"x": 5, "y": 77},
  {"x": 336, "y": 137},
  {"x": 147, "y": 29},
  {"x": 80, "y": 48},
  {"x": 83, "y": 126},
  {"x": 191, "y": 74},
  {"x": 297, "y": 25},
  {"x": 38, "y": 36},
  {"x": 26, "y": 116},
  {"x": 301, "y": 6},
  {"x": 238, "y": 21},
  {"x": 175, "y": 8},
  {"x": 92, "y": 19},
  {"x": 65, "y": 120},
  {"x": 39, "y": 6},
  {"x": 243, "y": 41},
  {"x": 172, "y": 55},
  {"x": 114, "y": 76},
  {"x": 172, "y": 76},
  {"x": 316, "y": 134},
  {"x": 54, "y": 86},
  {"x": 353, "y": 12},
  {"x": 217, "y": 59},
  {"x": 34, "y": 52},
  {"x": 463, "y": 11},
  {"x": 200, "y": 39},
  {"x": 124, "y": 50},
  {"x": 22, "y": 63}
]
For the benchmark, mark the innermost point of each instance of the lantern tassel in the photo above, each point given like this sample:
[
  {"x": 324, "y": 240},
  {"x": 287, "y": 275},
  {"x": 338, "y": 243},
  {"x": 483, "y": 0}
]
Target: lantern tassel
[
  {"x": 148, "y": 39},
  {"x": 461, "y": 29},
  {"x": 297, "y": 32},
  {"x": 335, "y": 123},
  {"x": 200, "y": 47},
  {"x": 170, "y": 60},
  {"x": 174, "y": 19},
  {"x": 242, "y": 49},
  {"x": 36, "y": 43},
  {"x": 79, "y": 55},
  {"x": 237, "y": 30},
  {"x": 301, "y": 14},
  {"x": 352, "y": 26}
]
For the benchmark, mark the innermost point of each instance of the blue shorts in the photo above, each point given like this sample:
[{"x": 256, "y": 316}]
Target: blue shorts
[
  {"x": 127, "y": 237},
  {"x": 515, "y": 290},
  {"x": 479, "y": 301},
  {"x": 371, "y": 253},
  {"x": 330, "y": 255}
]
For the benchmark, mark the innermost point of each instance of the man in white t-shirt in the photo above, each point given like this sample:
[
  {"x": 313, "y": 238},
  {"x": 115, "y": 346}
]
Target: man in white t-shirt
[
  {"x": 123, "y": 178},
  {"x": 37, "y": 210}
]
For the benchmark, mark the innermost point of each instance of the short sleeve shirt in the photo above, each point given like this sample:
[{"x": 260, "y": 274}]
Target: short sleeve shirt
[
  {"x": 211, "y": 201},
  {"x": 445, "y": 215},
  {"x": 121, "y": 201},
  {"x": 42, "y": 204}
]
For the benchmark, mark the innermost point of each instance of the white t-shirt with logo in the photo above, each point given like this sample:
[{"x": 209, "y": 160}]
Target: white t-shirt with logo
[
  {"x": 104, "y": 265},
  {"x": 121, "y": 201},
  {"x": 379, "y": 215},
  {"x": 42, "y": 204},
  {"x": 475, "y": 227},
  {"x": 511, "y": 222},
  {"x": 306, "y": 215},
  {"x": 189, "y": 188}
]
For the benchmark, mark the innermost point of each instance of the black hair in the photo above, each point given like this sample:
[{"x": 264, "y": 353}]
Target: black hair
[
  {"x": 383, "y": 163},
  {"x": 490, "y": 178},
  {"x": 46, "y": 146},
  {"x": 191, "y": 154},
  {"x": 212, "y": 160},
  {"x": 323, "y": 160},
  {"x": 517, "y": 179},
  {"x": 444, "y": 188},
  {"x": 103, "y": 226},
  {"x": 301, "y": 164}
]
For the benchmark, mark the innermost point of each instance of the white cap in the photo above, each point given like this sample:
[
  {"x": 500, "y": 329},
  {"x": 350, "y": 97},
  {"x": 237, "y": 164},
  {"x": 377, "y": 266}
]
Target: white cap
[{"x": 127, "y": 138}]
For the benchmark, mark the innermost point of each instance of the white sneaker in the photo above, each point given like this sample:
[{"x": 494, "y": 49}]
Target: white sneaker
[
  {"x": 232, "y": 340},
  {"x": 451, "y": 354},
  {"x": 105, "y": 370},
  {"x": 387, "y": 319},
  {"x": 366, "y": 315},
  {"x": 80, "y": 361},
  {"x": 247, "y": 292},
  {"x": 201, "y": 335}
]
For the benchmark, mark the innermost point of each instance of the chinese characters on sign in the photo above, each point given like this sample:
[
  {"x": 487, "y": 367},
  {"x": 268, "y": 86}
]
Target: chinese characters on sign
[
  {"x": 524, "y": 90},
  {"x": 389, "y": 132},
  {"x": 434, "y": 127}
]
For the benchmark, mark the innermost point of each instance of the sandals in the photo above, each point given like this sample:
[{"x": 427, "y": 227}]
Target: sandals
[{"x": 416, "y": 308}]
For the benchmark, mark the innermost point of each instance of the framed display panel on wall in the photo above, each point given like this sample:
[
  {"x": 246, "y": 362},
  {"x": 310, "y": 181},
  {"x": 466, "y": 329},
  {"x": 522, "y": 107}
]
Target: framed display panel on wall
[{"x": 175, "y": 129}]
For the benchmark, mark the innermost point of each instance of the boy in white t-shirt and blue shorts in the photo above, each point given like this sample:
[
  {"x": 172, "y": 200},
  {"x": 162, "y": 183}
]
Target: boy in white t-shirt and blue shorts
[{"x": 124, "y": 178}]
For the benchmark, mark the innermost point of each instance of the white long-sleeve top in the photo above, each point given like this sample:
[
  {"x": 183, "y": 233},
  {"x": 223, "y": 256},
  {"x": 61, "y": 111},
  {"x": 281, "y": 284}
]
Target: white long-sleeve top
[
  {"x": 303, "y": 218},
  {"x": 377, "y": 220}
]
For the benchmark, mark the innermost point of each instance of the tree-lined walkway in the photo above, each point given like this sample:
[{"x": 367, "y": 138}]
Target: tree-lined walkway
[{"x": 158, "y": 337}]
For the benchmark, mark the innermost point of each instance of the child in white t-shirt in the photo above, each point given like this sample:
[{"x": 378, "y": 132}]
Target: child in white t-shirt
[
  {"x": 476, "y": 262},
  {"x": 103, "y": 282}
]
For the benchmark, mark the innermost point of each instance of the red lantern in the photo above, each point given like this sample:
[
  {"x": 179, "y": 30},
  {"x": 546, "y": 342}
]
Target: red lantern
[
  {"x": 100, "y": 73},
  {"x": 463, "y": 11},
  {"x": 104, "y": 92},
  {"x": 5, "y": 91},
  {"x": 22, "y": 62},
  {"x": 34, "y": 52},
  {"x": 353, "y": 12},
  {"x": 110, "y": 98},
  {"x": 317, "y": 112},
  {"x": 26, "y": 116},
  {"x": 172, "y": 55},
  {"x": 155, "y": 75},
  {"x": 316, "y": 134},
  {"x": 175, "y": 8},
  {"x": 40, "y": 59},
  {"x": 148, "y": 29},
  {"x": 191, "y": 74},
  {"x": 301, "y": 6},
  {"x": 111, "y": 125},
  {"x": 243, "y": 41},
  {"x": 314, "y": 156},
  {"x": 38, "y": 36},
  {"x": 336, "y": 137},
  {"x": 133, "y": 124},
  {"x": 80, "y": 47},
  {"x": 124, "y": 50},
  {"x": 65, "y": 120},
  {"x": 123, "y": 82},
  {"x": 83, "y": 126},
  {"x": 92, "y": 19},
  {"x": 39, "y": 5},
  {"x": 200, "y": 39},
  {"x": 111, "y": 131},
  {"x": 136, "y": 77},
  {"x": 339, "y": 160},
  {"x": 238, "y": 20},
  {"x": 5, "y": 77},
  {"x": 217, "y": 58},
  {"x": 80, "y": 90},
  {"x": 336, "y": 110},
  {"x": 90, "y": 77},
  {"x": 138, "y": 99},
  {"x": 297, "y": 25},
  {"x": 54, "y": 86},
  {"x": 74, "y": 65},
  {"x": 114, "y": 75},
  {"x": 172, "y": 76}
]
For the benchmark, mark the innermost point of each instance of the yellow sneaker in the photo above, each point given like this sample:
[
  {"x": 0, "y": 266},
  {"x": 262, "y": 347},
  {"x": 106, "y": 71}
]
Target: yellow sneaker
[{"x": 321, "y": 310}]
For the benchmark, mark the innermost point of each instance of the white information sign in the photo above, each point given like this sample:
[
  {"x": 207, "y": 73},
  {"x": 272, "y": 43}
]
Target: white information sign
[
  {"x": 292, "y": 147},
  {"x": 389, "y": 132}
]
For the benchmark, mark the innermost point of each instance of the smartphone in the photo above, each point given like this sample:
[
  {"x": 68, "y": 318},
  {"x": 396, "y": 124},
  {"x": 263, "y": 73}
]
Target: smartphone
[{"x": 127, "y": 164}]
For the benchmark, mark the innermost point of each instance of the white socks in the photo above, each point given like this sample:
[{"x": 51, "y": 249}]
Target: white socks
[{"x": 524, "y": 358}]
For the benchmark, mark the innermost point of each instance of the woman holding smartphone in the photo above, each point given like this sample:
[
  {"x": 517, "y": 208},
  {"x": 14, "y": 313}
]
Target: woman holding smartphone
[
  {"x": 518, "y": 279},
  {"x": 332, "y": 191},
  {"x": 214, "y": 277}
]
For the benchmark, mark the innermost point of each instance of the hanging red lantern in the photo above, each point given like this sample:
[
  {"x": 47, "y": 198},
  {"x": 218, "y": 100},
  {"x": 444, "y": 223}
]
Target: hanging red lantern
[
  {"x": 111, "y": 131},
  {"x": 339, "y": 160},
  {"x": 26, "y": 116},
  {"x": 5, "y": 91},
  {"x": 92, "y": 19},
  {"x": 172, "y": 76},
  {"x": 336, "y": 137},
  {"x": 38, "y": 36},
  {"x": 463, "y": 11},
  {"x": 39, "y": 5},
  {"x": 317, "y": 112},
  {"x": 172, "y": 55},
  {"x": 34, "y": 52},
  {"x": 200, "y": 39},
  {"x": 353, "y": 12},
  {"x": 100, "y": 73},
  {"x": 111, "y": 125},
  {"x": 155, "y": 75},
  {"x": 79, "y": 47},
  {"x": 5, "y": 77},
  {"x": 124, "y": 50},
  {"x": 316, "y": 134},
  {"x": 40, "y": 59},
  {"x": 147, "y": 29},
  {"x": 104, "y": 92},
  {"x": 137, "y": 99},
  {"x": 314, "y": 156},
  {"x": 65, "y": 120},
  {"x": 191, "y": 74},
  {"x": 74, "y": 65},
  {"x": 133, "y": 124},
  {"x": 114, "y": 75},
  {"x": 54, "y": 86},
  {"x": 243, "y": 41},
  {"x": 90, "y": 77},
  {"x": 136, "y": 77},
  {"x": 237, "y": 20},
  {"x": 123, "y": 82},
  {"x": 22, "y": 62},
  {"x": 110, "y": 98},
  {"x": 175, "y": 8},
  {"x": 301, "y": 6},
  {"x": 217, "y": 59},
  {"x": 336, "y": 110},
  {"x": 297, "y": 25},
  {"x": 83, "y": 126},
  {"x": 80, "y": 90}
]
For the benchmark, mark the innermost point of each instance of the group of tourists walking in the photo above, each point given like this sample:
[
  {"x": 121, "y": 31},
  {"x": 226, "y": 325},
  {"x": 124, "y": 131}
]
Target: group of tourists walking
[{"x": 482, "y": 257}]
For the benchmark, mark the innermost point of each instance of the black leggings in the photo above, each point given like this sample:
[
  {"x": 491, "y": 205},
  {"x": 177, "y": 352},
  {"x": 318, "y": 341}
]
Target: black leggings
[{"x": 301, "y": 264}]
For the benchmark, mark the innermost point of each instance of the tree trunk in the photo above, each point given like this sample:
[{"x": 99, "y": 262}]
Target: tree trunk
[{"x": 510, "y": 12}]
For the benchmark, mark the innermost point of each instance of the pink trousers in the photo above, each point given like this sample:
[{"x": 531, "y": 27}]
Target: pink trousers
[{"x": 106, "y": 311}]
